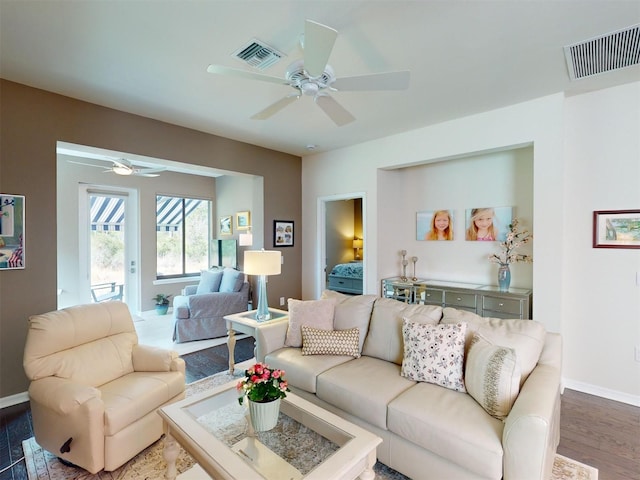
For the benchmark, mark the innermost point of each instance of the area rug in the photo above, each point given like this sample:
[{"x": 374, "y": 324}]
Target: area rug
[{"x": 149, "y": 464}]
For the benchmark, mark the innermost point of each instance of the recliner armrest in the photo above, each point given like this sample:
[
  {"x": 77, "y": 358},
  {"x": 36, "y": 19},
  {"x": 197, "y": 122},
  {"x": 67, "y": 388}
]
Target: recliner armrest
[
  {"x": 152, "y": 359},
  {"x": 61, "y": 395}
]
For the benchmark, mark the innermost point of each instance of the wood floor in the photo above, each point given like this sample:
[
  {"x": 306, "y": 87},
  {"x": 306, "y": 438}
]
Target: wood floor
[{"x": 593, "y": 430}]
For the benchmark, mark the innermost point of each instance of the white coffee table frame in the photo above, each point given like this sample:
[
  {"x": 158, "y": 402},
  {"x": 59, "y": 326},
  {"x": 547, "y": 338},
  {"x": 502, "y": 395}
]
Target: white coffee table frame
[{"x": 355, "y": 458}]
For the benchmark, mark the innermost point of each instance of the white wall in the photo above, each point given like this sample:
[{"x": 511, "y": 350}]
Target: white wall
[{"x": 558, "y": 282}]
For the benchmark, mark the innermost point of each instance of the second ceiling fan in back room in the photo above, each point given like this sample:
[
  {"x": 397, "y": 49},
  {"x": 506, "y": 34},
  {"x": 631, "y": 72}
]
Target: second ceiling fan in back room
[
  {"x": 124, "y": 167},
  {"x": 312, "y": 76}
]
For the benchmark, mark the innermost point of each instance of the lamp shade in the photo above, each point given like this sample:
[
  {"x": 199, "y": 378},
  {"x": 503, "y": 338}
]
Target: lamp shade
[
  {"x": 357, "y": 243},
  {"x": 262, "y": 262}
]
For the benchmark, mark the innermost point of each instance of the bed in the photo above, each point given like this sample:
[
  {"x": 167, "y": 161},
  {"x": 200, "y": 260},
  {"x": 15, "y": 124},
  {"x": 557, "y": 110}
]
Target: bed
[{"x": 346, "y": 278}]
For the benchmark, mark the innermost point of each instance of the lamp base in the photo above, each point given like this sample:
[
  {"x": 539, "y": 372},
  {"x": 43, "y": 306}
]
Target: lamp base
[{"x": 262, "y": 314}]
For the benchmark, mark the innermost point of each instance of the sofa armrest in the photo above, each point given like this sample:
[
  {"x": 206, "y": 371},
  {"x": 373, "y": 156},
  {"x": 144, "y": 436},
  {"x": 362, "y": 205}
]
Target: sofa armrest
[
  {"x": 61, "y": 395},
  {"x": 152, "y": 359},
  {"x": 532, "y": 430},
  {"x": 269, "y": 338}
]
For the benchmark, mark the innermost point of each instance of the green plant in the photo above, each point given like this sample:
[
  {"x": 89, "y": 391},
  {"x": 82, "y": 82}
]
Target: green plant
[
  {"x": 262, "y": 384},
  {"x": 161, "y": 299}
]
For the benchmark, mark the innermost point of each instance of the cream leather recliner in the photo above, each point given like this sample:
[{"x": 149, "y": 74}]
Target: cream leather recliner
[{"x": 94, "y": 391}]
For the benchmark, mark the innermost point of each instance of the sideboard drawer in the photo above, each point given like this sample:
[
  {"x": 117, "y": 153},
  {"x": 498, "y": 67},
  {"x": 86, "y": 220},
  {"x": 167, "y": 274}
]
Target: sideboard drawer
[
  {"x": 502, "y": 305},
  {"x": 430, "y": 296},
  {"x": 458, "y": 299}
]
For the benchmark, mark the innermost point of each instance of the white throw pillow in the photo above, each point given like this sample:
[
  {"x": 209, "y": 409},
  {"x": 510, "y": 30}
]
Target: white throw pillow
[
  {"x": 434, "y": 353},
  {"x": 352, "y": 311},
  {"x": 492, "y": 376},
  {"x": 330, "y": 342},
  {"x": 314, "y": 313}
]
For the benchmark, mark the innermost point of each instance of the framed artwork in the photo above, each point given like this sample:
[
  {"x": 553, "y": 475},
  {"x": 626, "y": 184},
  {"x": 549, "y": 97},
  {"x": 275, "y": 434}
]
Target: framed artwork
[
  {"x": 616, "y": 229},
  {"x": 243, "y": 220},
  {"x": 283, "y": 233},
  {"x": 434, "y": 225},
  {"x": 12, "y": 254},
  {"x": 226, "y": 225},
  {"x": 489, "y": 224}
]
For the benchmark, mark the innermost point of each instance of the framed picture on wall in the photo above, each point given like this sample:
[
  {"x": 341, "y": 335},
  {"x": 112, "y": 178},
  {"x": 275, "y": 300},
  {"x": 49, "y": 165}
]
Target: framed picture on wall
[
  {"x": 226, "y": 225},
  {"x": 12, "y": 255},
  {"x": 243, "y": 220},
  {"x": 283, "y": 233},
  {"x": 489, "y": 224},
  {"x": 434, "y": 225},
  {"x": 616, "y": 229}
]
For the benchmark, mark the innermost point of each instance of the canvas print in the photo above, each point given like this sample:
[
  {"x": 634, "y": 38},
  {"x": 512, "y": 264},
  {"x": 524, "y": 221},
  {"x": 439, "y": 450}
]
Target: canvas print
[
  {"x": 434, "y": 225},
  {"x": 11, "y": 232},
  {"x": 487, "y": 224}
]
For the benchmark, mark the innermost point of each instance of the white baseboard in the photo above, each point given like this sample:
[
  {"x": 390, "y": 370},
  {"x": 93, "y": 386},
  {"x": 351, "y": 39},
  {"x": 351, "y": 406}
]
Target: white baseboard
[
  {"x": 14, "y": 399},
  {"x": 601, "y": 392}
]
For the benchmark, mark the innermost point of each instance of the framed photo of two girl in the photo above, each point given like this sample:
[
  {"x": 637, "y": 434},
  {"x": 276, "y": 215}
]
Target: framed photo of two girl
[{"x": 487, "y": 224}]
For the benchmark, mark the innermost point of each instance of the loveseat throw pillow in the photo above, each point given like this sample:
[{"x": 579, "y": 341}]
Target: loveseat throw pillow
[
  {"x": 492, "y": 376},
  {"x": 232, "y": 280},
  {"x": 314, "y": 313},
  {"x": 209, "y": 281},
  {"x": 434, "y": 353},
  {"x": 330, "y": 342}
]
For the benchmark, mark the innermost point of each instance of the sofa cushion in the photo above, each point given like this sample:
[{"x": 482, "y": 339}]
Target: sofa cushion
[
  {"x": 330, "y": 342},
  {"x": 492, "y": 376},
  {"x": 209, "y": 281},
  {"x": 314, "y": 313},
  {"x": 363, "y": 387},
  {"x": 302, "y": 372},
  {"x": 434, "y": 354},
  {"x": 526, "y": 337},
  {"x": 232, "y": 280},
  {"x": 384, "y": 340},
  {"x": 450, "y": 424},
  {"x": 352, "y": 311}
]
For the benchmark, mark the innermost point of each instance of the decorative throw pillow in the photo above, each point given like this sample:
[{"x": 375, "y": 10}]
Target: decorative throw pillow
[
  {"x": 314, "y": 313},
  {"x": 330, "y": 342},
  {"x": 434, "y": 353},
  {"x": 232, "y": 280},
  {"x": 209, "y": 281},
  {"x": 492, "y": 376}
]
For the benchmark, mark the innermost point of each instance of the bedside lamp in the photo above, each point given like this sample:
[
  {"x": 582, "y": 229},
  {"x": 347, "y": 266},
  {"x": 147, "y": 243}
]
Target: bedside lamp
[
  {"x": 262, "y": 263},
  {"x": 357, "y": 245}
]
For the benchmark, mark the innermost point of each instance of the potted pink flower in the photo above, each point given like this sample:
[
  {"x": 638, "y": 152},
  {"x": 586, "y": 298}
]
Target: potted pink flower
[{"x": 264, "y": 387}]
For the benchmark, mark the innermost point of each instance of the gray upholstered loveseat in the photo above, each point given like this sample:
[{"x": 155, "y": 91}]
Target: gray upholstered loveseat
[
  {"x": 508, "y": 428},
  {"x": 199, "y": 312}
]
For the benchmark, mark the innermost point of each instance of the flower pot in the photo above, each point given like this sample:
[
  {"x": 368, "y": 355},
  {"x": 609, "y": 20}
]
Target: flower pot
[
  {"x": 162, "y": 309},
  {"x": 504, "y": 278},
  {"x": 264, "y": 416}
]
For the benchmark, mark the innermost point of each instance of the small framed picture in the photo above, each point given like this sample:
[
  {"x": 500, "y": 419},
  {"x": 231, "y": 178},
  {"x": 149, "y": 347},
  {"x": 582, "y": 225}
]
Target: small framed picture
[
  {"x": 226, "y": 225},
  {"x": 12, "y": 253},
  {"x": 243, "y": 221},
  {"x": 616, "y": 229},
  {"x": 283, "y": 233}
]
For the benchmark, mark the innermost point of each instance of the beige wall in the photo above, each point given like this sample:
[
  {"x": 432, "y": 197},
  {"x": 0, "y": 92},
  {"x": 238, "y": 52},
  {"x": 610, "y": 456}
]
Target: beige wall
[{"x": 32, "y": 121}]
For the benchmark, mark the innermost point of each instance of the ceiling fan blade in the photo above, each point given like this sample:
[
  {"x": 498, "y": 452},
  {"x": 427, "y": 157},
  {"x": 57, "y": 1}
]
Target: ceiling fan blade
[
  {"x": 150, "y": 170},
  {"x": 318, "y": 43},
  {"x": 86, "y": 164},
  {"x": 234, "y": 72},
  {"x": 275, "y": 107},
  {"x": 375, "y": 81},
  {"x": 334, "y": 110},
  {"x": 141, "y": 174}
]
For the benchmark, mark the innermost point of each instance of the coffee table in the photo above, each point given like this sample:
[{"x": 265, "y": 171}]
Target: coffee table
[{"x": 308, "y": 443}]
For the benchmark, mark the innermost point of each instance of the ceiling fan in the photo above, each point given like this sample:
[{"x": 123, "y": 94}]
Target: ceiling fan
[
  {"x": 122, "y": 166},
  {"x": 312, "y": 76}
]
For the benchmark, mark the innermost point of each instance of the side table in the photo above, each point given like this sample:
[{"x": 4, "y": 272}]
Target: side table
[{"x": 245, "y": 322}]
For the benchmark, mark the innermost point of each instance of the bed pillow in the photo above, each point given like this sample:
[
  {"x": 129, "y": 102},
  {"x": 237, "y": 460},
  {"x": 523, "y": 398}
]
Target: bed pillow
[
  {"x": 492, "y": 376},
  {"x": 314, "y": 313},
  {"x": 209, "y": 281},
  {"x": 434, "y": 353},
  {"x": 232, "y": 280},
  {"x": 330, "y": 342}
]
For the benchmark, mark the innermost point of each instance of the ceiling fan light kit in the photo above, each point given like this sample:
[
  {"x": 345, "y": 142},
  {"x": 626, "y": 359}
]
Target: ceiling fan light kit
[{"x": 313, "y": 77}]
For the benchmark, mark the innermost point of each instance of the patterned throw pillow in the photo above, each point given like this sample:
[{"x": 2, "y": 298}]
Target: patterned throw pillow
[
  {"x": 314, "y": 313},
  {"x": 434, "y": 353},
  {"x": 330, "y": 342},
  {"x": 492, "y": 376}
]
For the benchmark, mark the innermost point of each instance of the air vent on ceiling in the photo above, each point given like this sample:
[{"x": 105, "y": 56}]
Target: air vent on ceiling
[
  {"x": 258, "y": 54},
  {"x": 603, "y": 54}
]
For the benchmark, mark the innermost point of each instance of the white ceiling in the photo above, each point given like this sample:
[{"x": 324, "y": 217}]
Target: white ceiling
[{"x": 150, "y": 58}]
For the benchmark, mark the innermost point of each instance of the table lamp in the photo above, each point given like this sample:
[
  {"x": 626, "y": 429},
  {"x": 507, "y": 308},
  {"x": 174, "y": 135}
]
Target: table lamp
[
  {"x": 357, "y": 245},
  {"x": 262, "y": 263}
]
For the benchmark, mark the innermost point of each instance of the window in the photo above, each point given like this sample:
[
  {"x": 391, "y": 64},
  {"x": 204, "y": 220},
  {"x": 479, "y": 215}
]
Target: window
[{"x": 183, "y": 227}]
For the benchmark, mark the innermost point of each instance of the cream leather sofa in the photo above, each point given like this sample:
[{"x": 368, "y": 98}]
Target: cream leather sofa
[
  {"x": 428, "y": 431},
  {"x": 94, "y": 391}
]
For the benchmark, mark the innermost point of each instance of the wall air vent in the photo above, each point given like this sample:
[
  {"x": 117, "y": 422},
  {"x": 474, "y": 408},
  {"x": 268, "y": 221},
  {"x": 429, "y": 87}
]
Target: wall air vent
[
  {"x": 603, "y": 54},
  {"x": 258, "y": 55}
]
